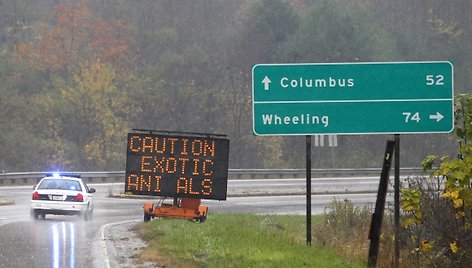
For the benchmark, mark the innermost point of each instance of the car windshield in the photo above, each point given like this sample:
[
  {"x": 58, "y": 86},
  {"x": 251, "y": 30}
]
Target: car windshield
[{"x": 60, "y": 184}]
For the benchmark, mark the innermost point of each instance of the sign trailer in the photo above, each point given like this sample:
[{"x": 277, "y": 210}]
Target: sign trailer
[{"x": 185, "y": 166}]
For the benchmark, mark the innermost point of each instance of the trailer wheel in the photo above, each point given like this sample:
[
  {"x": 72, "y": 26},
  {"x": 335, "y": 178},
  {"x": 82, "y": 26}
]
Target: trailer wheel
[
  {"x": 147, "y": 217},
  {"x": 202, "y": 219},
  {"x": 148, "y": 209}
]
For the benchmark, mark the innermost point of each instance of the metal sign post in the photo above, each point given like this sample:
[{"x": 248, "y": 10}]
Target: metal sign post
[
  {"x": 308, "y": 189},
  {"x": 397, "y": 201},
  {"x": 377, "y": 217}
]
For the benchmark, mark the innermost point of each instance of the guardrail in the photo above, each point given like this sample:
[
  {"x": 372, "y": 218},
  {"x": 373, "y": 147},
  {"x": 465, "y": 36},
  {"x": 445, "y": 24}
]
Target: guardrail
[
  {"x": 31, "y": 178},
  {"x": 315, "y": 173}
]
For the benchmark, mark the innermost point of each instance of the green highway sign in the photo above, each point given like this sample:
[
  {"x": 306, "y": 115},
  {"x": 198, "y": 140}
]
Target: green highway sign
[{"x": 353, "y": 98}]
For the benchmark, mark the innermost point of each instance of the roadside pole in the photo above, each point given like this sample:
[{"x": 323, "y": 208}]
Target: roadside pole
[
  {"x": 397, "y": 201},
  {"x": 308, "y": 189},
  {"x": 377, "y": 216}
]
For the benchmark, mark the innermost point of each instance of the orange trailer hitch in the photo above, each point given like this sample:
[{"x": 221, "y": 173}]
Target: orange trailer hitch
[{"x": 181, "y": 208}]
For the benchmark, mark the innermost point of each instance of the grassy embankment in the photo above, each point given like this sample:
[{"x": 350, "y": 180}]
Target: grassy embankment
[{"x": 236, "y": 240}]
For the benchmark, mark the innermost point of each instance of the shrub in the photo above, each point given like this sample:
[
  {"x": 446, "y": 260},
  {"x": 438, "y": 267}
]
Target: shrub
[
  {"x": 345, "y": 228},
  {"x": 435, "y": 237},
  {"x": 438, "y": 210}
]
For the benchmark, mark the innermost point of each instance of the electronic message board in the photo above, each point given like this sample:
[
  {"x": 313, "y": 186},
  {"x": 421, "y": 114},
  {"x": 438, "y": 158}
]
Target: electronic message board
[{"x": 177, "y": 164}]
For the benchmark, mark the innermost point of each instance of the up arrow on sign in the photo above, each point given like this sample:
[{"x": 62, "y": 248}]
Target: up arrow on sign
[{"x": 266, "y": 81}]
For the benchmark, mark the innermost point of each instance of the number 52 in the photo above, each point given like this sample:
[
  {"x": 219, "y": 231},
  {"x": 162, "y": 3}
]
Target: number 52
[{"x": 435, "y": 80}]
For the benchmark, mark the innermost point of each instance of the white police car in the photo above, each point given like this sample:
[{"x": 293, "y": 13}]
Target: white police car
[{"x": 62, "y": 194}]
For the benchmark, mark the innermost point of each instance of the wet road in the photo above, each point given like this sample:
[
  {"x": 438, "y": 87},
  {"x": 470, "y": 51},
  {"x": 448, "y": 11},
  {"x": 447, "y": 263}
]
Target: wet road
[
  {"x": 68, "y": 241},
  {"x": 58, "y": 241}
]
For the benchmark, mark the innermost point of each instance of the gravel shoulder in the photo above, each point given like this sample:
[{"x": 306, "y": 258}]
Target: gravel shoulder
[{"x": 124, "y": 245}]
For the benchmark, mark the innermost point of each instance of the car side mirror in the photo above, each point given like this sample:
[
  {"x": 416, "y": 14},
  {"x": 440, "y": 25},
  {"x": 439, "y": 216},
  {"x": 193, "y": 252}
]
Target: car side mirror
[{"x": 92, "y": 190}]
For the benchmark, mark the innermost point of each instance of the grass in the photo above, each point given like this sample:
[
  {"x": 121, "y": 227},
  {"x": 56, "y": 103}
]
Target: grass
[{"x": 237, "y": 240}]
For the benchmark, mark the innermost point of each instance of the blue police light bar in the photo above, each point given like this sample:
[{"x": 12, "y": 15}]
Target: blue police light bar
[{"x": 62, "y": 174}]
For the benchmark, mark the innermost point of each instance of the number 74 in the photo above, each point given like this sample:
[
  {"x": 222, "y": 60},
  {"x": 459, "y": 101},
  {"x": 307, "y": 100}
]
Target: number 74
[{"x": 411, "y": 117}]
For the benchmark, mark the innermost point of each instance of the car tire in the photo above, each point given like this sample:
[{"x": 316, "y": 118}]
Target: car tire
[
  {"x": 87, "y": 215},
  {"x": 34, "y": 214}
]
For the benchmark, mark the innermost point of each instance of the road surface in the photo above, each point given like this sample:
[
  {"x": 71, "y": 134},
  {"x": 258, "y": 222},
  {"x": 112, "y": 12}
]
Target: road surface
[{"x": 67, "y": 241}]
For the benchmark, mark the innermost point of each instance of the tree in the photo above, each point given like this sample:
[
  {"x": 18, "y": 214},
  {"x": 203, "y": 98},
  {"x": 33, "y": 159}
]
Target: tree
[
  {"x": 267, "y": 24},
  {"x": 92, "y": 117},
  {"x": 20, "y": 142},
  {"x": 73, "y": 35},
  {"x": 438, "y": 209},
  {"x": 330, "y": 33}
]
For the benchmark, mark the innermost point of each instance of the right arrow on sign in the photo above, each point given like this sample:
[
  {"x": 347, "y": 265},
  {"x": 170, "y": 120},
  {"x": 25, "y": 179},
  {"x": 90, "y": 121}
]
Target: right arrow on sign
[{"x": 436, "y": 116}]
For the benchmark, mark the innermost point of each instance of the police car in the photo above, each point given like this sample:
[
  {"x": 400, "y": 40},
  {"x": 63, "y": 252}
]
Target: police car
[{"x": 62, "y": 194}]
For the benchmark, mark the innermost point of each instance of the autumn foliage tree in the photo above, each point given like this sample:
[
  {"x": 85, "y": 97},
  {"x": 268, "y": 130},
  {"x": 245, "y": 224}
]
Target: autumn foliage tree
[
  {"x": 438, "y": 209},
  {"x": 95, "y": 104},
  {"x": 73, "y": 35},
  {"x": 197, "y": 56}
]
